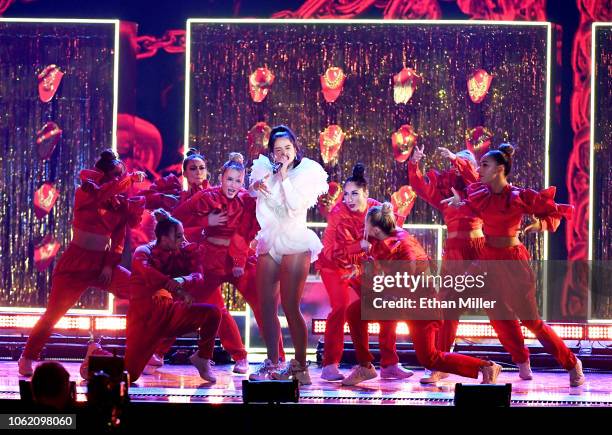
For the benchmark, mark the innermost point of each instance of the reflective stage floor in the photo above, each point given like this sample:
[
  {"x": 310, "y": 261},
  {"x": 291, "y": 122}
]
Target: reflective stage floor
[{"x": 181, "y": 384}]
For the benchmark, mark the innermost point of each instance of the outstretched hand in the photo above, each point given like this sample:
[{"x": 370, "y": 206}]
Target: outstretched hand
[{"x": 453, "y": 201}]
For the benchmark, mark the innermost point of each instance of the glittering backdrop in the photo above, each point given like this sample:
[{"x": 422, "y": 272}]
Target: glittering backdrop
[
  {"x": 221, "y": 110},
  {"x": 82, "y": 107},
  {"x": 602, "y": 201}
]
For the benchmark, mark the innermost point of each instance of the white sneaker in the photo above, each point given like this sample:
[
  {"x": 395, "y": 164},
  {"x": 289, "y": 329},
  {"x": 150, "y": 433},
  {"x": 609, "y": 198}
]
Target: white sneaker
[
  {"x": 25, "y": 366},
  {"x": 294, "y": 370},
  {"x": 576, "y": 376},
  {"x": 204, "y": 366},
  {"x": 525, "y": 371},
  {"x": 432, "y": 376},
  {"x": 490, "y": 373},
  {"x": 93, "y": 349},
  {"x": 241, "y": 366},
  {"x": 360, "y": 374},
  {"x": 331, "y": 373},
  {"x": 263, "y": 371},
  {"x": 396, "y": 371},
  {"x": 156, "y": 360}
]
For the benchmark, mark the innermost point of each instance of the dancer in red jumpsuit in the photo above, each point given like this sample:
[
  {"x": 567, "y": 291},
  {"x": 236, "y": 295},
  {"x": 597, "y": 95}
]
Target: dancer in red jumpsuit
[
  {"x": 102, "y": 213},
  {"x": 501, "y": 207},
  {"x": 225, "y": 217},
  {"x": 168, "y": 193},
  {"x": 464, "y": 243},
  {"x": 391, "y": 243},
  {"x": 341, "y": 257},
  {"x": 165, "y": 275}
]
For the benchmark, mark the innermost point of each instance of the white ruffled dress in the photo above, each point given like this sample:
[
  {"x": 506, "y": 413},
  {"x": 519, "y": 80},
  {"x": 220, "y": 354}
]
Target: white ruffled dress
[{"x": 282, "y": 213}]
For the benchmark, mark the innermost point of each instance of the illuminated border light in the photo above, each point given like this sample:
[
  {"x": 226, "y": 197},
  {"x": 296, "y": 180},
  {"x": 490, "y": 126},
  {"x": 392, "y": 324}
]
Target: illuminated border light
[
  {"x": 599, "y": 332},
  {"x": 402, "y": 329},
  {"x": 318, "y": 327},
  {"x": 570, "y": 332},
  {"x": 476, "y": 330},
  {"x": 110, "y": 323},
  {"x": 117, "y": 24},
  {"x": 178, "y": 399},
  {"x": 467, "y": 329},
  {"x": 27, "y": 321}
]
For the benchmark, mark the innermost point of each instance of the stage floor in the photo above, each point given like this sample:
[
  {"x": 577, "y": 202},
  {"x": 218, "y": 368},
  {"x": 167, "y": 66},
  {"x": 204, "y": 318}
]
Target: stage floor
[{"x": 181, "y": 384}]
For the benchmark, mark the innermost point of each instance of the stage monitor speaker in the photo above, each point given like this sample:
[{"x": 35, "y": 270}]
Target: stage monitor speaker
[
  {"x": 270, "y": 391},
  {"x": 488, "y": 396}
]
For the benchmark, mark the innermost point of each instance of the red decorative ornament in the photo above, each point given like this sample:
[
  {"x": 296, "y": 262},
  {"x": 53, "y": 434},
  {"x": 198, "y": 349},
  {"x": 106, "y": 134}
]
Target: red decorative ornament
[
  {"x": 405, "y": 83},
  {"x": 478, "y": 85},
  {"x": 332, "y": 83},
  {"x": 330, "y": 142},
  {"x": 47, "y": 138},
  {"x": 403, "y": 200},
  {"x": 48, "y": 82},
  {"x": 478, "y": 140},
  {"x": 257, "y": 139},
  {"x": 44, "y": 199},
  {"x": 260, "y": 82},
  {"x": 45, "y": 252},
  {"x": 403, "y": 141}
]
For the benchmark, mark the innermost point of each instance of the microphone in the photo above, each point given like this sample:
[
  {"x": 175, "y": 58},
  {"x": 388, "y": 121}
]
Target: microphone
[{"x": 276, "y": 166}]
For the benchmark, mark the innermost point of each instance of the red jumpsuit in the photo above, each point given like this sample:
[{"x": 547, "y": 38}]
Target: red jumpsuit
[
  {"x": 400, "y": 245},
  {"x": 154, "y": 315},
  {"x": 100, "y": 209},
  {"x": 341, "y": 255},
  {"x": 501, "y": 214},
  {"x": 460, "y": 251},
  {"x": 341, "y": 252},
  {"x": 218, "y": 260}
]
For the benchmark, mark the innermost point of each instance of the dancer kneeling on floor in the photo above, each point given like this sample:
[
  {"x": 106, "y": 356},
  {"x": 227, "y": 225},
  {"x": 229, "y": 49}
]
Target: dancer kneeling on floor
[
  {"x": 391, "y": 243},
  {"x": 164, "y": 274}
]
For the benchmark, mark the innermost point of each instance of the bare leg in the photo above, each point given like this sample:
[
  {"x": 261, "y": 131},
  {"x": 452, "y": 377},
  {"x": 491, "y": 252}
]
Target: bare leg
[
  {"x": 266, "y": 282},
  {"x": 294, "y": 271}
]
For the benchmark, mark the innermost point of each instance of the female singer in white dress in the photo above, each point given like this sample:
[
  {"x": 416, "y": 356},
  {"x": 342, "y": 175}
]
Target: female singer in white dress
[{"x": 286, "y": 187}]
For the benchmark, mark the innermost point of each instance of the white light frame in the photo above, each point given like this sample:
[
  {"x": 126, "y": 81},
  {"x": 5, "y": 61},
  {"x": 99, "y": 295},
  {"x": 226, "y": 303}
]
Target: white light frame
[
  {"x": 591, "y": 230},
  {"x": 110, "y": 297},
  {"x": 439, "y": 228}
]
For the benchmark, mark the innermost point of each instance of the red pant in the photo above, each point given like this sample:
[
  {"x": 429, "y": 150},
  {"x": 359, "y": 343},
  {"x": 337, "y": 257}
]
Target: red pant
[
  {"x": 458, "y": 253},
  {"x": 423, "y": 334},
  {"x": 359, "y": 334},
  {"x": 516, "y": 286},
  {"x": 339, "y": 293},
  {"x": 77, "y": 270},
  {"x": 150, "y": 321}
]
